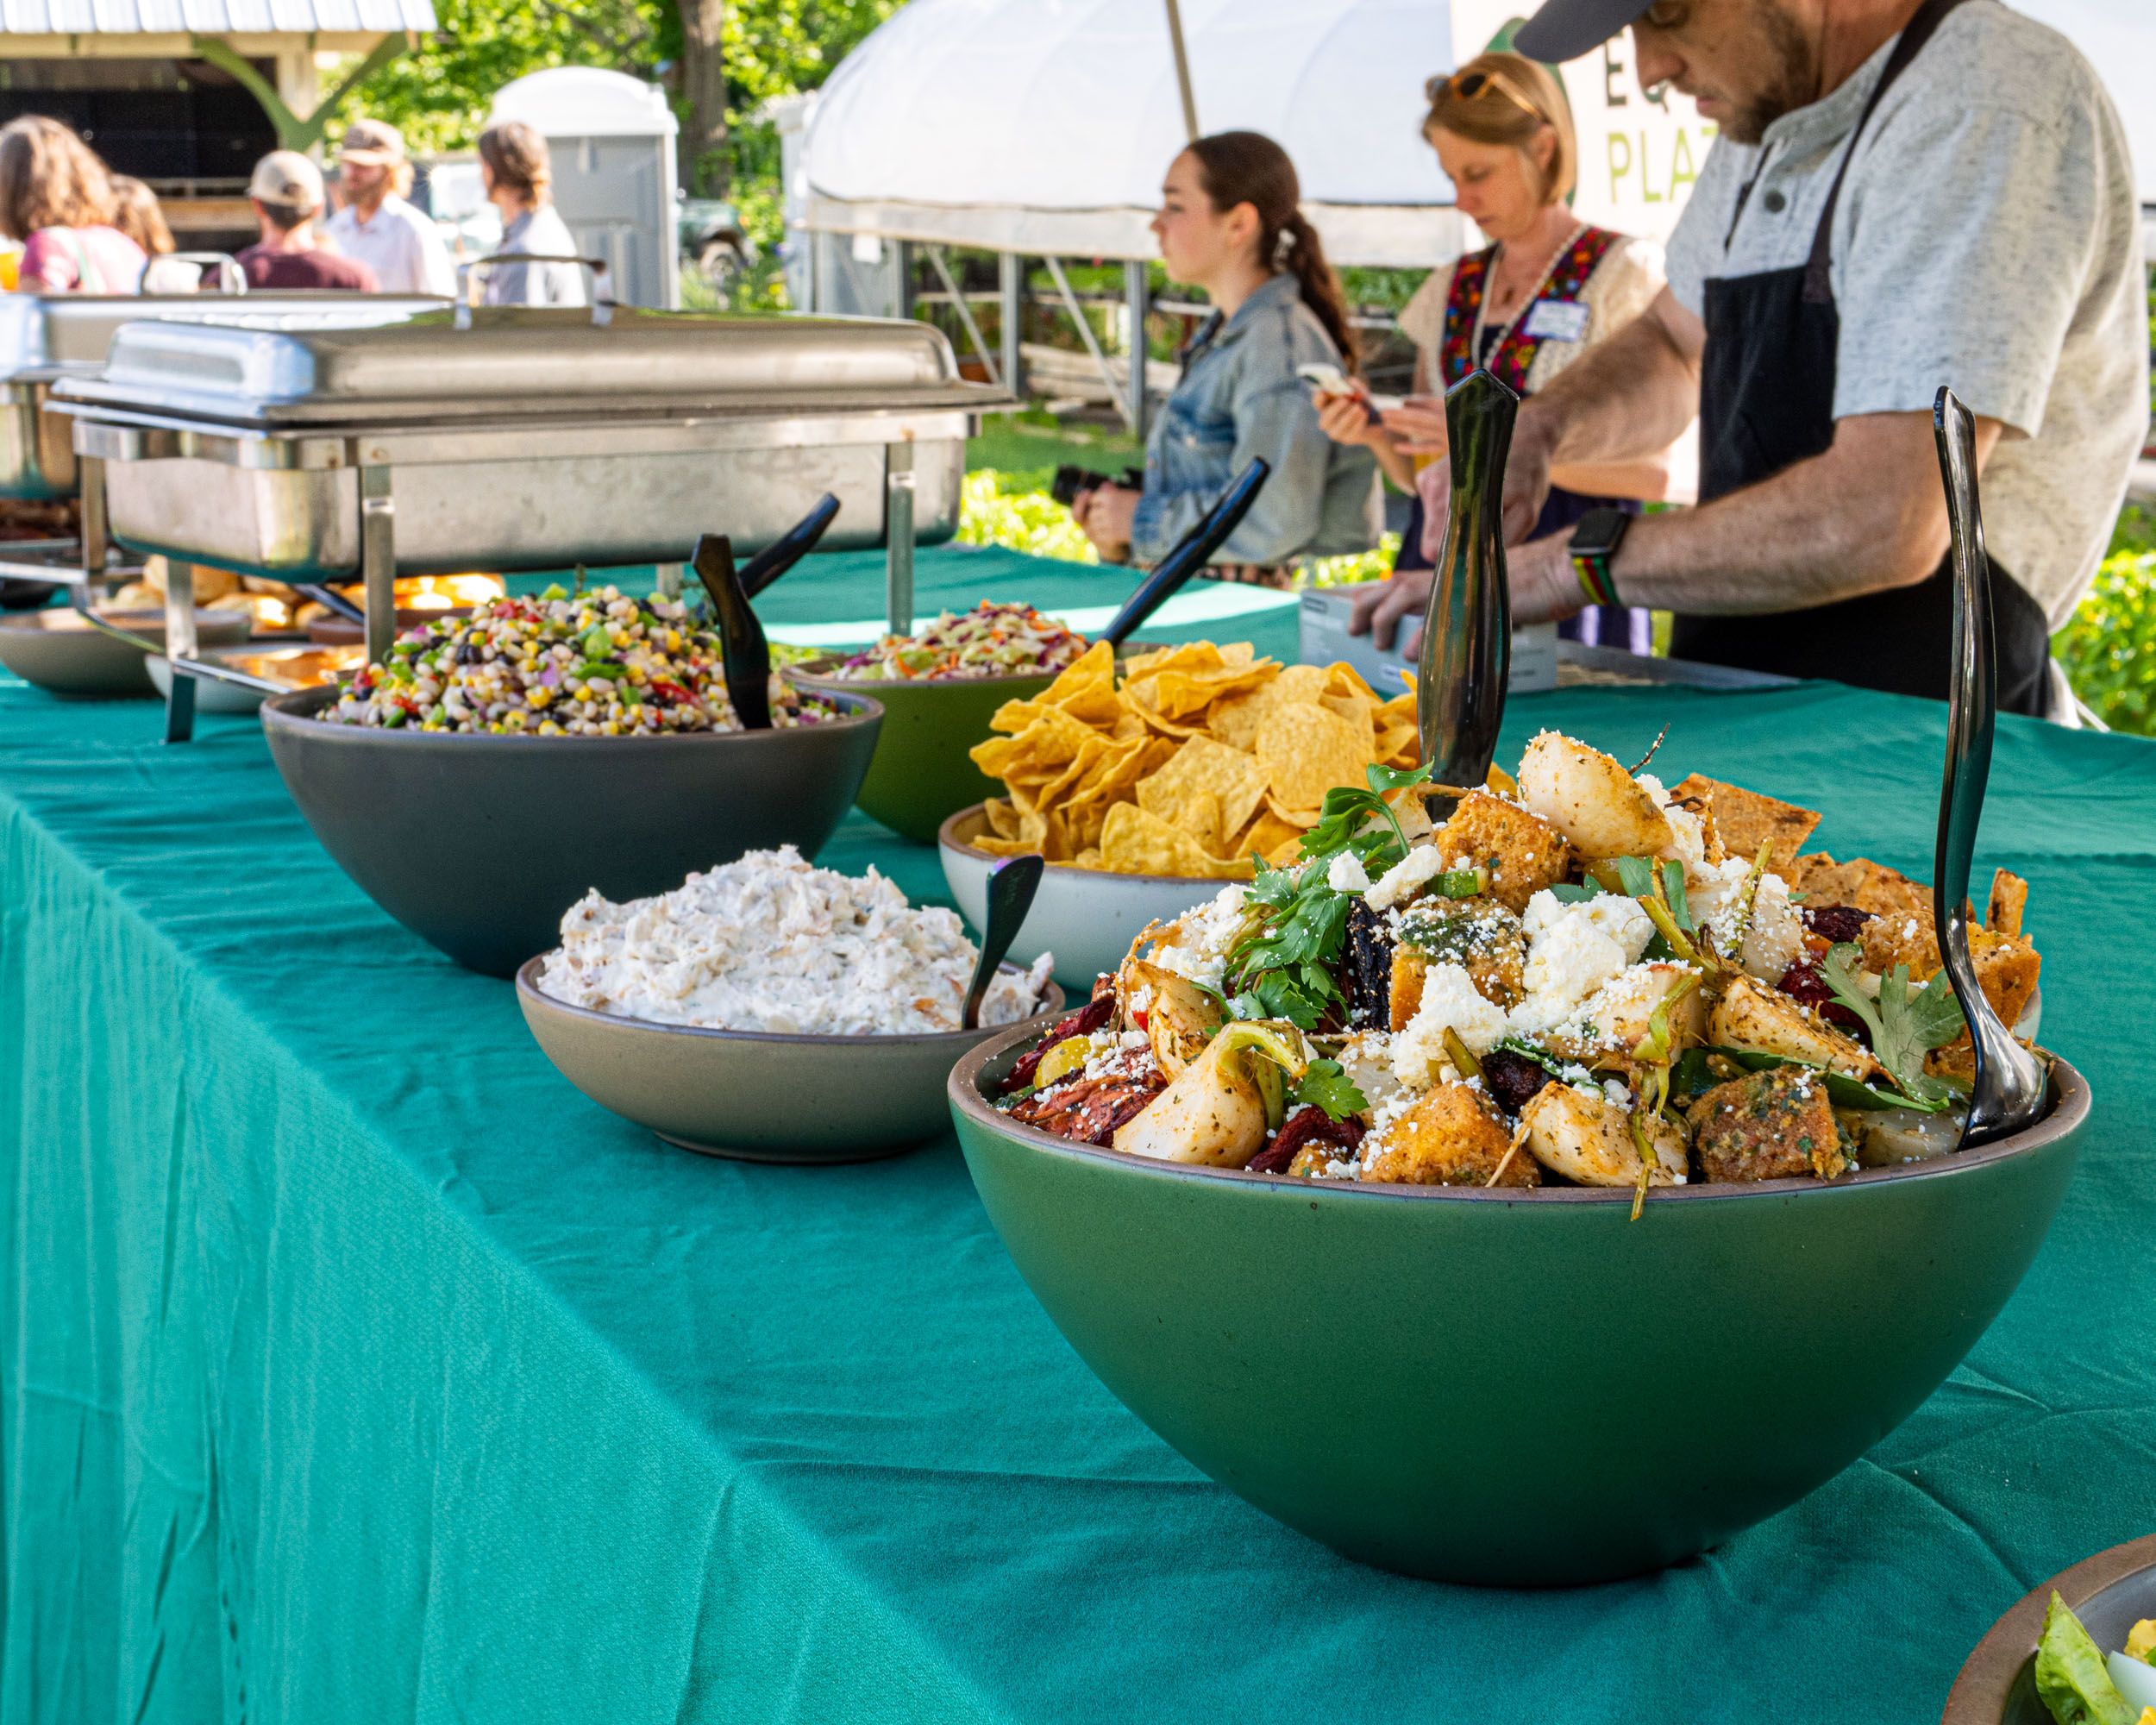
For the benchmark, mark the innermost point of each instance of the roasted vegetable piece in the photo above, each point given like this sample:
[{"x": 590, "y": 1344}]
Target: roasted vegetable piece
[
  {"x": 1089, "y": 1110},
  {"x": 1411, "y": 968},
  {"x": 1215, "y": 1111},
  {"x": 1588, "y": 1138},
  {"x": 1086, "y": 1020},
  {"x": 1450, "y": 1137},
  {"x": 1368, "y": 982},
  {"x": 1753, "y": 1016},
  {"x": 1591, "y": 799},
  {"x": 1522, "y": 853},
  {"x": 1483, "y": 936},
  {"x": 1178, "y": 1016},
  {"x": 1306, "y": 1127},
  {"x": 1774, "y": 1125}
]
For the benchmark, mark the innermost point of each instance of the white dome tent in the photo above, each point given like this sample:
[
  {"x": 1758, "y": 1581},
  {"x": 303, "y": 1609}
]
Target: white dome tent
[{"x": 1040, "y": 128}]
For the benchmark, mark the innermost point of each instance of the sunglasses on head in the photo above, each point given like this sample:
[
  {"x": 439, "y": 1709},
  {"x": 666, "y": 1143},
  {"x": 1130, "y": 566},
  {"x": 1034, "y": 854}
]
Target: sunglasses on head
[{"x": 1470, "y": 86}]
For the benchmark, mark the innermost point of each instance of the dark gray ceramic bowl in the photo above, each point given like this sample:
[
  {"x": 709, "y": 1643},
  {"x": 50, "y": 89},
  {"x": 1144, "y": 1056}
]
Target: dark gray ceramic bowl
[
  {"x": 479, "y": 844},
  {"x": 756, "y": 1096},
  {"x": 2109, "y": 1592}
]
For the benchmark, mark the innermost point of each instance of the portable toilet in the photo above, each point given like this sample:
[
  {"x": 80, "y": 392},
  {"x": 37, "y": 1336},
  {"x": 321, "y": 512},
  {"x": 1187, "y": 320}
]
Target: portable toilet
[{"x": 612, "y": 137}]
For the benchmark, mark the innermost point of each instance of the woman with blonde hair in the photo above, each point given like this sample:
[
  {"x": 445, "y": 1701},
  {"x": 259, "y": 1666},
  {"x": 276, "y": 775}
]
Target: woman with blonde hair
[
  {"x": 517, "y": 172},
  {"x": 56, "y": 198},
  {"x": 1546, "y": 288}
]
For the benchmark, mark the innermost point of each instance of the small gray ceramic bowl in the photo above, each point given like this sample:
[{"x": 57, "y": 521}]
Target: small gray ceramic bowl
[
  {"x": 754, "y": 1095},
  {"x": 1086, "y": 917},
  {"x": 2109, "y": 1592},
  {"x": 55, "y": 650}
]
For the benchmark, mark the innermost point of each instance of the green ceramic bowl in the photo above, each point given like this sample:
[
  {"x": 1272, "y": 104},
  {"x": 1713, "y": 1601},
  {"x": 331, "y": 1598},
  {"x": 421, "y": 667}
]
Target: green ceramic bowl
[
  {"x": 2109, "y": 1592},
  {"x": 923, "y": 771},
  {"x": 756, "y": 1096},
  {"x": 1506, "y": 1389}
]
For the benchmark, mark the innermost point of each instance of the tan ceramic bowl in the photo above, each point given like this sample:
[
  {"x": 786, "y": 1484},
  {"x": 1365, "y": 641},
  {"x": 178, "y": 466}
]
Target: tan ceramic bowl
[{"x": 754, "y": 1095}]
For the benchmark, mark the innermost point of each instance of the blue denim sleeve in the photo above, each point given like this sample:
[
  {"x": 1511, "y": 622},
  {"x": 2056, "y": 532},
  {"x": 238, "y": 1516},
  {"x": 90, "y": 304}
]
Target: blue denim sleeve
[{"x": 1274, "y": 420}]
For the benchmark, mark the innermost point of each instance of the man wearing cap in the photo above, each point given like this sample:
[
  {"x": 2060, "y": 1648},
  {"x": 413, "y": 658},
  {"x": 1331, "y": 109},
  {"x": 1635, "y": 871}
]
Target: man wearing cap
[
  {"x": 396, "y": 241},
  {"x": 1904, "y": 194},
  {"x": 286, "y": 192}
]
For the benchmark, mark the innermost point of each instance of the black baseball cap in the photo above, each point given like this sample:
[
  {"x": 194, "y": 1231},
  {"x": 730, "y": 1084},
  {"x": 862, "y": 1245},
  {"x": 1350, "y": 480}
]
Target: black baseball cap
[{"x": 1565, "y": 29}]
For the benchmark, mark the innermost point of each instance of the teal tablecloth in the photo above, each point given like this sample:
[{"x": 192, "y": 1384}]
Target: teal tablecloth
[{"x": 353, "y": 1368}]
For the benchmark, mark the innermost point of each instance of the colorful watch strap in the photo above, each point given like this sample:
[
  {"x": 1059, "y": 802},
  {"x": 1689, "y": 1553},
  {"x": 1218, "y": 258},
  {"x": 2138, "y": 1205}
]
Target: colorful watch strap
[{"x": 1595, "y": 581}]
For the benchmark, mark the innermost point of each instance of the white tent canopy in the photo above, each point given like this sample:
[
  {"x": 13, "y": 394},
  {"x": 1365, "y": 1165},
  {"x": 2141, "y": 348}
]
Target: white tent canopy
[{"x": 1044, "y": 125}]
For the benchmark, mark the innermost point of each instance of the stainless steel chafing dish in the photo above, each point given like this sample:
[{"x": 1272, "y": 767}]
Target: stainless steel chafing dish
[
  {"x": 45, "y": 338},
  {"x": 507, "y": 439}
]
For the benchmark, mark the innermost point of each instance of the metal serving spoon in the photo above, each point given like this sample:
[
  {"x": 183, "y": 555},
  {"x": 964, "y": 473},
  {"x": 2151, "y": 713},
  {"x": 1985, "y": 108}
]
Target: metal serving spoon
[
  {"x": 1189, "y": 553},
  {"x": 1011, "y": 885},
  {"x": 2009, "y": 1089},
  {"x": 742, "y": 646},
  {"x": 1467, "y": 634}
]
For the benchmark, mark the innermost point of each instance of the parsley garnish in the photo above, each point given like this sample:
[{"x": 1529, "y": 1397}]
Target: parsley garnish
[
  {"x": 1361, "y": 821},
  {"x": 1325, "y": 1086},
  {"x": 1904, "y": 1026}
]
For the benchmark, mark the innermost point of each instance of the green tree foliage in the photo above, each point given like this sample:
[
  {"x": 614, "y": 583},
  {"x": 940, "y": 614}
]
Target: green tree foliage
[{"x": 439, "y": 93}]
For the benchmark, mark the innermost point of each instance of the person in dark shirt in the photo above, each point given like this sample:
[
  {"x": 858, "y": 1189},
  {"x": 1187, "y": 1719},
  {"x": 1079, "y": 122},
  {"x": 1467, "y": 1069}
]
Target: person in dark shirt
[{"x": 287, "y": 195}]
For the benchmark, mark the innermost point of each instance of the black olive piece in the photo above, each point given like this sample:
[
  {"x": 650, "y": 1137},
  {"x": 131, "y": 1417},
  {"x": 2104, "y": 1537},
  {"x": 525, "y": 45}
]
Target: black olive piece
[{"x": 1512, "y": 1079}]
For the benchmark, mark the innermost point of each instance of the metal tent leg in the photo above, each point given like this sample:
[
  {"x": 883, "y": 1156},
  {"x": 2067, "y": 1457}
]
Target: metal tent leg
[
  {"x": 1011, "y": 281},
  {"x": 1138, "y": 299},
  {"x": 942, "y": 266},
  {"x": 1085, "y": 332}
]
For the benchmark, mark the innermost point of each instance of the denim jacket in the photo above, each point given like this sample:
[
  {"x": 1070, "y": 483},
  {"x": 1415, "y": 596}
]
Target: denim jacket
[{"x": 1239, "y": 396}]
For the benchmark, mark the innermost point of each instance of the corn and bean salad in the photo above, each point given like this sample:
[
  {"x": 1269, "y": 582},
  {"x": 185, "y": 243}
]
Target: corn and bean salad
[
  {"x": 593, "y": 664},
  {"x": 991, "y": 640}
]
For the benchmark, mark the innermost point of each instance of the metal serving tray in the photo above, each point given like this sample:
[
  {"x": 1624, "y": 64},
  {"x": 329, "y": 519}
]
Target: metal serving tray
[
  {"x": 46, "y": 337},
  {"x": 530, "y": 439}
]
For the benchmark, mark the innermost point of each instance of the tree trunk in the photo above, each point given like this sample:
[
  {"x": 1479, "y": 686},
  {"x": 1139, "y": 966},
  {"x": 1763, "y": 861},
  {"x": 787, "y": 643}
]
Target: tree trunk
[{"x": 703, "y": 89}]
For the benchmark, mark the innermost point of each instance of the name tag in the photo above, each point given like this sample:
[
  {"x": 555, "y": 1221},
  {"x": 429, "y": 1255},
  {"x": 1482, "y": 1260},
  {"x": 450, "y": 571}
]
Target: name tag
[{"x": 1555, "y": 320}]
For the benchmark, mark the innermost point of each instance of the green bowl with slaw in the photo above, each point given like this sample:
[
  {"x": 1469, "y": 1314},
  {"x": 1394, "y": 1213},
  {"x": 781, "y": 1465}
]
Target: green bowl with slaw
[{"x": 923, "y": 772}]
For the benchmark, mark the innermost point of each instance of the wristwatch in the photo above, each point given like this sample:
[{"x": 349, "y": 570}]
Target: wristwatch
[{"x": 1593, "y": 544}]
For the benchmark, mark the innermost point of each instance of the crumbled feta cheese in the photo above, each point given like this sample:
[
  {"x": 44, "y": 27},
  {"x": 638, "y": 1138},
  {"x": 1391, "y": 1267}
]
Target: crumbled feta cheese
[
  {"x": 1405, "y": 878},
  {"x": 1617, "y": 1092},
  {"x": 1574, "y": 949},
  {"x": 1203, "y": 938},
  {"x": 1450, "y": 1002},
  {"x": 1346, "y": 874},
  {"x": 1653, "y": 787}
]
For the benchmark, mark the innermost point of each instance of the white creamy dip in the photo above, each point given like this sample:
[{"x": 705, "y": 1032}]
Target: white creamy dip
[{"x": 774, "y": 943}]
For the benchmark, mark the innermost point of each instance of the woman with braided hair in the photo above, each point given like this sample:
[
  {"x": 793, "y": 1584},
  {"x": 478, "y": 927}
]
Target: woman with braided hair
[{"x": 1230, "y": 223}]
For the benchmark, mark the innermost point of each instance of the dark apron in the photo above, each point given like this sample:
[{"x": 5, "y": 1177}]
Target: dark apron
[{"x": 1766, "y": 401}]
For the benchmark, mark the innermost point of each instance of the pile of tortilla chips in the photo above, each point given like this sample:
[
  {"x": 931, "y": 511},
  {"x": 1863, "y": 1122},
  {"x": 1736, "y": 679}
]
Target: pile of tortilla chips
[{"x": 1203, "y": 756}]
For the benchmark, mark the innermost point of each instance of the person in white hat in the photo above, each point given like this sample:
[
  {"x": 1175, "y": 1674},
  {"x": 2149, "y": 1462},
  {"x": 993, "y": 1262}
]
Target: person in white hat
[
  {"x": 377, "y": 226},
  {"x": 287, "y": 196}
]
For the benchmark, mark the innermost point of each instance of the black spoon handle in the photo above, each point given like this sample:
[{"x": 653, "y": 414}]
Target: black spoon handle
[
  {"x": 330, "y": 600},
  {"x": 1011, "y": 885},
  {"x": 1190, "y": 552},
  {"x": 784, "y": 552},
  {"x": 2008, "y": 1092},
  {"x": 1466, "y": 663},
  {"x": 742, "y": 648}
]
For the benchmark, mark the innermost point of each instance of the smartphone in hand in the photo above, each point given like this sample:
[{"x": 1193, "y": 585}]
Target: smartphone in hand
[{"x": 1324, "y": 379}]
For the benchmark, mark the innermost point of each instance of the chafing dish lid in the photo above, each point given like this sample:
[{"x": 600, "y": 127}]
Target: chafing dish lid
[
  {"x": 524, "y": 362},
  {"x": 48, "y": 336}
]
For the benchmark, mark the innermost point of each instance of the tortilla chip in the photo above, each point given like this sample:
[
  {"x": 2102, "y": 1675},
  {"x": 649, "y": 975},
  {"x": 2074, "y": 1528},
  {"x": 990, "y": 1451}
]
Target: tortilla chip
[
  {"x": 1233, "y": 778},
  {"x": 1744, "y": 820},
  {"x": 1135, "y": 842},
  {"x": 1304, "y": 750}
]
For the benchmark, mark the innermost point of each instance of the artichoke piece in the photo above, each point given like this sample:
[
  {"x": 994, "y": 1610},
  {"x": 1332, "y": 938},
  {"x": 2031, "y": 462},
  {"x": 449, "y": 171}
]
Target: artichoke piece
[
  {"x": 1218, "y": 1109},
  {"x": 1178, "y": 1016},
  {"x": 1588, "y": 1138},
  {"x": 1590, "y": 798},
  {"x": 1751, "y": 1015}
]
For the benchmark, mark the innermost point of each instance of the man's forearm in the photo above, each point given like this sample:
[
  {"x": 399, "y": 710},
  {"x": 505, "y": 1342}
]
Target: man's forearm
[{"x": 1629, "y": 397}]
